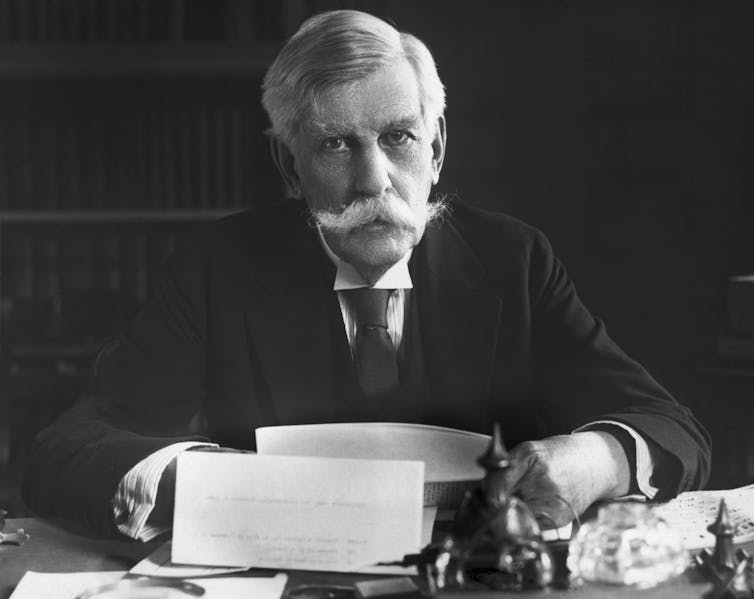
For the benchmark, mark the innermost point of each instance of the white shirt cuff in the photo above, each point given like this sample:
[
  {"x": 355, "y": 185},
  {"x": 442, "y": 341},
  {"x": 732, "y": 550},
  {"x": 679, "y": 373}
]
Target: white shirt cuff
[
  {"x": 137, "y": 491},
  {"x": 644, "y": 461}
]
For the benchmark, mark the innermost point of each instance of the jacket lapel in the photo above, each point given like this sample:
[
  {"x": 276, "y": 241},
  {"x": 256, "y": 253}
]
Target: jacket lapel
[
  {"x": 288, "y": 320},
  {"x": 459, "y": 321}
]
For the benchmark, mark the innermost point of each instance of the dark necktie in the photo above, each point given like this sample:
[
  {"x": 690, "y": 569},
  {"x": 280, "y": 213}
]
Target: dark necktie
[{"x": 373, "y": 350}]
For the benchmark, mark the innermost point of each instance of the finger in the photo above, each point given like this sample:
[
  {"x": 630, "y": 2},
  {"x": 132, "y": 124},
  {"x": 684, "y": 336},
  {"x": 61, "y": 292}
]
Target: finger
[
  {"x": 551, "y": 515},
  {"x": 523, "y": 460}
]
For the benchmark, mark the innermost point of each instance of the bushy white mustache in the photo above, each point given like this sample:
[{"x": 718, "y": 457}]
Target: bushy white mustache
[{"x": 362, "y": 212}]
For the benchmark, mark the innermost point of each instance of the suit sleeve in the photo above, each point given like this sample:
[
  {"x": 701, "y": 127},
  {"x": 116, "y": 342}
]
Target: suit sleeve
[
  {"x": 583, "y": 376},
  {"x": 143, "y": 398}
]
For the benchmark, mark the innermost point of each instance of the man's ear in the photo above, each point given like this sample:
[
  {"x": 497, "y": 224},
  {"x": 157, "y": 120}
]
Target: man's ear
[
  {"x": 286, "y": 165},
  {"x": 438, "y": 148}
]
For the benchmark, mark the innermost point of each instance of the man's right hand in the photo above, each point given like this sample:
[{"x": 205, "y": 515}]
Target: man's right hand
[{"x": 562, "y": 476}]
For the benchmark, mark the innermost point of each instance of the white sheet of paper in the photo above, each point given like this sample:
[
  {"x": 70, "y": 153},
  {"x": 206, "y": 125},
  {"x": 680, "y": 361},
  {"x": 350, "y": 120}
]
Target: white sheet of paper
[
  {"x": 158, "y": 563},
  {"x": 692, "y": 512},
  {"x": 295, "y": 512},
  {"x": 428, "y": 522},
  {"x": 449, "y": 454},
  {"x": 41, "y": 585},
  {"x": 241, "y": 587}
]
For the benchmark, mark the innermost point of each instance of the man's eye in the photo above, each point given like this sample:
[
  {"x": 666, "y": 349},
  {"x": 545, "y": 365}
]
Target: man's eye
[
  {"x": 397, "y": 138},
  {"x": 334, "y": 143}
]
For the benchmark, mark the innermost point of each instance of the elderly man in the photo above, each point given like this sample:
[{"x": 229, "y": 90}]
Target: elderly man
[{"x": 361, "y": 300}]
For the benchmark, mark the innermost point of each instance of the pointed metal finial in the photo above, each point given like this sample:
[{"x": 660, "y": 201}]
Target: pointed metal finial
[
  {"x": 496, "y": 456},
  {"x": 724, "y": 555},
  {"x": 722, "y": 526}
]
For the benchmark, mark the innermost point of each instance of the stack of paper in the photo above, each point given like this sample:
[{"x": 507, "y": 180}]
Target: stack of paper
[
  {"x": 336, "y": 497},
  {"x": 449, "y": 455}
]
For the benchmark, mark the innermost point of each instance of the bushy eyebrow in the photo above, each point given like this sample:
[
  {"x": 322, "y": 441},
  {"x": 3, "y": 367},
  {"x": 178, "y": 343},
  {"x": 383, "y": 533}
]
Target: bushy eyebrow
[
  {"x": 325, "y": 129},
  {"x": 406, "y": 122}
]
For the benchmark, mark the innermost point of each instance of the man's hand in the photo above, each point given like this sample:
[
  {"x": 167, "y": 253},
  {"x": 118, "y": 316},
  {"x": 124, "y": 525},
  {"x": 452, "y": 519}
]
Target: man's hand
[{"x": 581, "y": 468}]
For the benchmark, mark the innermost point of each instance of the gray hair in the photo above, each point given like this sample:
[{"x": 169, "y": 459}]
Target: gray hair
[{"x": 338, "y": 47}]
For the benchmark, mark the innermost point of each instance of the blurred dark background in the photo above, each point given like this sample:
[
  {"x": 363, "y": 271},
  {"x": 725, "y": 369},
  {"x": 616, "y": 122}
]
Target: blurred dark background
[{"x": 623, "y": 129}]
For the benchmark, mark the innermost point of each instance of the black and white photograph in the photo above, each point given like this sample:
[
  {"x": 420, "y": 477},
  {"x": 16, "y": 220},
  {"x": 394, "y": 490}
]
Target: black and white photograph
[{"x": 376, "y": 299}]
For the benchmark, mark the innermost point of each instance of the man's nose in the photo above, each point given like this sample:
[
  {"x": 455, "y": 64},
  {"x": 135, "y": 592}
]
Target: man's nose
[{"x": 371, "y": 174}]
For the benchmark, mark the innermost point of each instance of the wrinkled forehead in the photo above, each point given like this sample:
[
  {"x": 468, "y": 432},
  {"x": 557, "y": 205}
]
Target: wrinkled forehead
[{"x": 390, "y": 93}]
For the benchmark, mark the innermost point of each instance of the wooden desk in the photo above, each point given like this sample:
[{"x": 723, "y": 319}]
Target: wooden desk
[{"x": 55, "y": 547}]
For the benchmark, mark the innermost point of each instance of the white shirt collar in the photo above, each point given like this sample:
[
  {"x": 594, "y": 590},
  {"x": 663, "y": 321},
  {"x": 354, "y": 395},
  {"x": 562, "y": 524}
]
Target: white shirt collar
[{"x": 347, "y": 277}]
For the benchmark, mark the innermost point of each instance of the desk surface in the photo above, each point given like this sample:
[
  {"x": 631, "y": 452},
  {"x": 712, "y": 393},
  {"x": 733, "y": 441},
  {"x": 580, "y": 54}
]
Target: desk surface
[{"x": 56, "y": 547}]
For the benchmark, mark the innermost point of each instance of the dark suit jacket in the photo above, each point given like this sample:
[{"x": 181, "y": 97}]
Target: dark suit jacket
[{"x": 239, "y": 332}]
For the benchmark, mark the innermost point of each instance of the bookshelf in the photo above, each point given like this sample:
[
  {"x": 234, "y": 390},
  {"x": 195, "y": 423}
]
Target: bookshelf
[
  {"x": 31, "y": 22},
  {"x": 124, "y": 125},
  {"x": 97, "y": 258},
  {"x": 70, "y": 280}
]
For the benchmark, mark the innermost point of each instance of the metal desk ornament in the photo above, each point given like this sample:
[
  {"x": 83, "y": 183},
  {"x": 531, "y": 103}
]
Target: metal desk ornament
[
  {"x": 731, "y": 572},
  {"x": 495, "y": 538},
  {"x": 11, "y": 538}
]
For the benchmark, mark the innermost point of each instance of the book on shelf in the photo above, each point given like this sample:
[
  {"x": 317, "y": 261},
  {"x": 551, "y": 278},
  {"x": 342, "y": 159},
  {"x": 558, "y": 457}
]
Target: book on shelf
[
  {"x": 241, "y": 20},
  {"x": 6, "y": 21},
  {"x": 237, "y": 163},
  {"x": 141, "y": 166},
  {"x": 97, "y": 171},
  {"x": 18, "y": 265},
  {"x": 22, "y": 22},
  {"x": 77, "y": 263},
  {"x": 107, "y": 275},
  {"x": 203, "y": 141},
  {"x": 53, "y": 158},
  {"x": 47, "y": 20},
  {"x": 149, "y": 122},
  {"x": 71, "y": 165},
  {"x": 220, "y": 156},
  {"x": 162, "y": 245},
  {"x": 176, "y": 20},
  {"x": 25, "y": 171},
  {"x": 170, "y": 172},
  {"x": 186, "y": 158},
  {"x": 5, "y": 152},
  {"x": 136, "y": 266},
  {"x": 47, "y": 267}
]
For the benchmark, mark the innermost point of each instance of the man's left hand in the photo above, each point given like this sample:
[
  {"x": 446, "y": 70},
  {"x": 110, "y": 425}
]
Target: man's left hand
[{"x": 580, "y": 468}]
